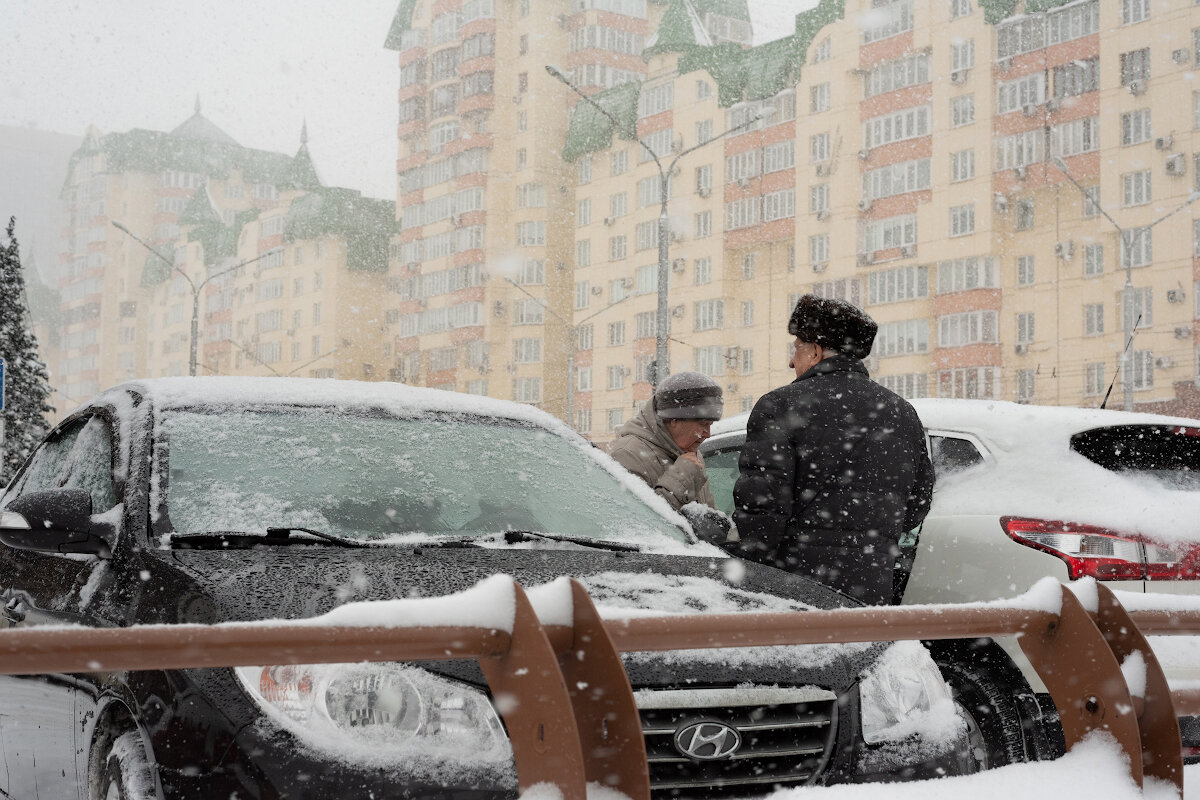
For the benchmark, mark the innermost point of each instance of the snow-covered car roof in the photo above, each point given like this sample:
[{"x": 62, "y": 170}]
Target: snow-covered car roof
[{"x": 999, "y": 420}]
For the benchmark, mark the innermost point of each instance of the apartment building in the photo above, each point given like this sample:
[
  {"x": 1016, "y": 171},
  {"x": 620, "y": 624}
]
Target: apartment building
[{"x": 284, "y": 274}]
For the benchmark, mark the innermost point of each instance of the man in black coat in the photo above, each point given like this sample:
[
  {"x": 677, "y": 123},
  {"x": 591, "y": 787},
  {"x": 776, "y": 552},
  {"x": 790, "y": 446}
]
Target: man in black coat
[{"x": 834, "y": 470}]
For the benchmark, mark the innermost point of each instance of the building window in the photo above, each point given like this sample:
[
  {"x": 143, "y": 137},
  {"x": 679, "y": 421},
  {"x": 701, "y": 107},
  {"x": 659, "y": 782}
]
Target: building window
[
  {"x": 962, "y": 166},
  {"x": 704, "y": 179},
  {"x": 820, "y": 98},
  {"x": 646, "y": 324},
  {"x": 703, "y": 271},
  {"x": 1025, "y": 385},
  {"x": 585, "y": 338},
  {"x": 1135, "y": 66},
  {"x": 1135, "y": 187},
  {"x": 585, "y": 170},
  {"x": 1093, "y": 319},
  {"x": 1137, "y": 309},
  {"x": 962, "y": 274},
  {"x": 962, "y": 110},
  {"x": 1025, "y": 217},
  {"x": 1135, "y": 127},
  {"x": 1093, "y": 259},
  {"x": 583, "y": 379},
  {"x": 620, "y": 162},
  {"x": 616, "y": 248},
  {"x": 818, "y": 249},
  {"x": 968, "y": 327},
  {"x": 1024, "y": 270},
  {"x": 1091, "y": 202},
  {"x": 703, "y": 90},
  {"x": 1143, "y": 369},
  {"x": 704, "y": 131},
  {"x": 898, "y": 126},
  {"x": 703, "y": 224},
  {"x": 616, "y": 333},
  {"x": 1077, "y": 77},
  {"x": 902, "y": 338},
  {"x": 1093, "y": 378},
  {"x": 897, "y": 284},
  {"x": 959, "y": 8},
  {"x": 1134, "y": 11},
  {"x": 613, "y": 418},
  {"x": 710, "y": 315},
  {"x": 962, "y": 220},
  {"x": 583, "y": 212},
  {"x": 971, "y": 383},
  {"x": 748, "y": 263},
  {"x": 748, "y": 314},
  {"x": 616, "y": 377},
  {"x": 710, "y": 360},
  {"x": 818, "y": 198},
  {"x": 1025, "y": 328},
  {"x": 1137, "y": 248},
  {"x": 819, "y": 148},
  {"x": 962, "y": 55},
  {"x": 527, "y": 390},
  {"x": 583, "y": 253}
]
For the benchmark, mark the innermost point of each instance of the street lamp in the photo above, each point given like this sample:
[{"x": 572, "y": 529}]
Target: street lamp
[
  {"x": 1127, "y": 321},
  {"x": 663, "y": 317},
  {"x": 191, "y": 284},
  {"x": 573, "y": 334}
]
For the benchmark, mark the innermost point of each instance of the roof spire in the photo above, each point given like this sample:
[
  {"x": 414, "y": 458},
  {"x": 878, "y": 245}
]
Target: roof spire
[{"x": 304, "y": 132}]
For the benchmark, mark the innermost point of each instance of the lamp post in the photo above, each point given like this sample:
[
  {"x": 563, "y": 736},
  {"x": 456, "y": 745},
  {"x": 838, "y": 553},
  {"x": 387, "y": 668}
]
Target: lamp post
[
  {"x": 663, "y": 318},
  {"x": 1127, "y": 240},
  {"x": 572, "y": 335},
  {"x": 195, "y": 333}
]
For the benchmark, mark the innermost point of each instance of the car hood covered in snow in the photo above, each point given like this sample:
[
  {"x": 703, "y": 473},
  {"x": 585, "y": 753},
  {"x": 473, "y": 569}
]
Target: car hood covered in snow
[{"x": 294, "y": 583}]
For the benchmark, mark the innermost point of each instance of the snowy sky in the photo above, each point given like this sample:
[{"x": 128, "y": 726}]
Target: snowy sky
[{"x": 260, "y": 70}]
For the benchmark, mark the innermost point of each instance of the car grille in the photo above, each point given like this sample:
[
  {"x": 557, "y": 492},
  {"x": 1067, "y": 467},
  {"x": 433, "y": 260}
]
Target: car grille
[{"x": 787, "y": 735}]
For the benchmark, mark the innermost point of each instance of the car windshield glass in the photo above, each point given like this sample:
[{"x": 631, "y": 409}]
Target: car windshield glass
[
  {"x": 1168, "y": 454},
  {"x": 375, "y": 477}
]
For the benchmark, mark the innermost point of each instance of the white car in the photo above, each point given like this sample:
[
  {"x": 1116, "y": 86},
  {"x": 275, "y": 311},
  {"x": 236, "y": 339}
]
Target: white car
[{"x": 1028, "y": 491}]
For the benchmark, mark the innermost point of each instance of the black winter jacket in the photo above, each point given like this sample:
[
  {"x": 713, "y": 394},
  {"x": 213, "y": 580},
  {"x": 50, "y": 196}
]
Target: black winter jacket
[{"x": 832, "y": 459}]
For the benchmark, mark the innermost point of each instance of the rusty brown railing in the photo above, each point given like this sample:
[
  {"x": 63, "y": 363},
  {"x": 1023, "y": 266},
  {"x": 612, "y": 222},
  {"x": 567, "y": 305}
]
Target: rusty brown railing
[{"x": 576, "y": 720}]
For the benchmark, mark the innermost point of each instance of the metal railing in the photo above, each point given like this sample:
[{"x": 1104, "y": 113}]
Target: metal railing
[{"x": 576, "y": 720}]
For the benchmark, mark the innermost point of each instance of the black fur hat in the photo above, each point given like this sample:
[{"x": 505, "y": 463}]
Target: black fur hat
[{"x": 835, "y": 324}]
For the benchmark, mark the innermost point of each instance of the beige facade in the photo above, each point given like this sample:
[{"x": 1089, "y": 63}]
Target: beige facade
[{"x": 289, "y": 276}]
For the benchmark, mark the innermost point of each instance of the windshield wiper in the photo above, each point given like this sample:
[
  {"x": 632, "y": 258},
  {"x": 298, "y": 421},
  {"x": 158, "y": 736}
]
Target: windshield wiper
[
  {"x": 243, "y": 539},
  {"x": 512, "y": 537}
]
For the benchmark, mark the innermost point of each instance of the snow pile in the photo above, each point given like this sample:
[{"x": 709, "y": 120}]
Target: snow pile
[{"x": 489, "y": 604}]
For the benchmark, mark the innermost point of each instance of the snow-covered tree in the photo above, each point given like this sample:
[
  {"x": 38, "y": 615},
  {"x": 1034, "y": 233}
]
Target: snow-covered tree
[{"x": 27, "y": 382}]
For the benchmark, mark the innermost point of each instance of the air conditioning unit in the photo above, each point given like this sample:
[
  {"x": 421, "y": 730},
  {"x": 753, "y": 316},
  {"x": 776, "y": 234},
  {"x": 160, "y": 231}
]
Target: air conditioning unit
[
  {"x": 999, "y": 203},
  {"x": 677, "y": 144},
  {"x": 820, "y": 266},
  {"x": 958, "y": 77},
  {"x": 457, "y": 220},
  {"x": 511, "y": 367},
  {"x": 731, "y": 388},
  {"x": 498, "y": 308},
  {"x": 677, "y": 311},
  {"x": 597, "y": 290},
  {"x": 1176, "y": 164},
  {"x": 626, "y": 371},
  {"x": 609, "y": 220},
  {"x": 1137, "y": 87},
  {"x": 1020, "y": 172},
  {"x": 733, "y": 353},
  {"x": 1064, "y": 250},
  {"x": 1180, "y": 56},
  {"x": 704, "y": 191},
  {"x": 1163, "y": 362},
  {"x": 864, "y": 205},
  {"x": 1021, "y": 349},
  {"x": 866, "y": 258},
  {"x": 1029, "y": 110},
  {"x": 823, "y": 169},
  {"x": 1183, "y": 332},
  {"x": 1054, "y": 104},
  {"x": 678, "y": 264},
  {"x": 1164, "y": 142},
  {"x": 1003, "y": 64},
  {"x": 627, "y": 283},
  {"x": 908, "y": 251},
  {"x": 743, "y": 182},
  {"x": 1175, "y": 295},
  {"x": 864, "y": 154},
  {"x": 823, "y": 215},
  {"x": 674, "y": 236}
]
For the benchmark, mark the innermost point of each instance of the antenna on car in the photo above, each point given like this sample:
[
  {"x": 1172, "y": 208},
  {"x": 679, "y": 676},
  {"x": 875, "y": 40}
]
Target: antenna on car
[{"x": 1128, "y": 344}]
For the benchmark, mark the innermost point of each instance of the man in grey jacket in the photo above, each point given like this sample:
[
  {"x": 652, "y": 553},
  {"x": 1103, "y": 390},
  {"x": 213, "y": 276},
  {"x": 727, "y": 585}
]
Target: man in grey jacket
[{"x": 661, "y": 444}]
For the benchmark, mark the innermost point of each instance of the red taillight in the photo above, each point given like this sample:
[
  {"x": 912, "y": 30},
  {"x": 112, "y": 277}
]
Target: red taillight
[{"x": 1093, "y": 552}]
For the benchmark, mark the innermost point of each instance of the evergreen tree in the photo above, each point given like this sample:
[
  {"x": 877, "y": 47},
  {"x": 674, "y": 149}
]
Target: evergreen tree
[{"x": 27, "y": 382}]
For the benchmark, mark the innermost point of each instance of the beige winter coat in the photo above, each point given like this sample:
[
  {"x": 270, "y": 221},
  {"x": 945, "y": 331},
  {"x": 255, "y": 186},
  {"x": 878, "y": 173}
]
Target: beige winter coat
[{"x": 644, "y": 447}]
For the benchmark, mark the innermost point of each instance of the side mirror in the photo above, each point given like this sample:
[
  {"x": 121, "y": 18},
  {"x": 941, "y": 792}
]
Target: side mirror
[
  {"x": 709, "y": 524},
  {"x": 57, "y": 521}
]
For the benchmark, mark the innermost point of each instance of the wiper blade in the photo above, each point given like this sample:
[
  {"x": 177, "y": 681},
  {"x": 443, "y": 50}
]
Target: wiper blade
[
  {"x": 513, "y": 536},
  {"x": 245, "y": 539}
]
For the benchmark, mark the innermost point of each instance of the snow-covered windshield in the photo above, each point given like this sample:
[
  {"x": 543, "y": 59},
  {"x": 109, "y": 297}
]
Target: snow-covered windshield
[{"x": 375, "y": 477}]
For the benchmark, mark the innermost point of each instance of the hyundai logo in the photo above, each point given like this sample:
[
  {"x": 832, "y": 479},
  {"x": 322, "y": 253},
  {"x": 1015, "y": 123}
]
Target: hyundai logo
[{"x": 707, "y": 741}]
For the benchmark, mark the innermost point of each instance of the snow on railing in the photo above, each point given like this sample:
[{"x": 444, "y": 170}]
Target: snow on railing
[{"x": 575, "y": 720}]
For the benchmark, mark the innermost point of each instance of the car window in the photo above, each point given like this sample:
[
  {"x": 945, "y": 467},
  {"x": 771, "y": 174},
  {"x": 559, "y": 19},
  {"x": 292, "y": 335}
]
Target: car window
[
  {"x": 1165, "y": 453},
  {"x": 722, "y": 468},
  {"x": 78, "y": 456},
  {"x": 952, "y": 454},
  {"x": 370, "y": 477}
]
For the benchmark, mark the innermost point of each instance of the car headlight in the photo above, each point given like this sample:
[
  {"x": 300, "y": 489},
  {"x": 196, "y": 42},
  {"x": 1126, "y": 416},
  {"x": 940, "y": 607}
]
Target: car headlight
[
  {"x": 904, "y": 695},
  {"x": 388, "y": 709}
]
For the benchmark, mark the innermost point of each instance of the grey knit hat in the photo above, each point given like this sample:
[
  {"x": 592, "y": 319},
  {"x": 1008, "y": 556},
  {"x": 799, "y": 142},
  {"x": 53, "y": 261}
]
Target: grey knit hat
[
  {"x": 835, "y": 324},
  {"x": 688, "y": 395}
]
